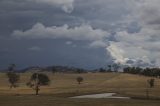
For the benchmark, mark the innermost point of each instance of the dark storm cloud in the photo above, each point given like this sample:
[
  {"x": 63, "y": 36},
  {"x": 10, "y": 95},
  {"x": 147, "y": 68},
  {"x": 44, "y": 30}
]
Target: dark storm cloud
[
  {"x": 17, "y": 14},
  {"x": 51, "y": 52},
  {"x": 114, "y": 23},
  {"x": 23, "y": 15},
  {"x": 105, "y": 14}
]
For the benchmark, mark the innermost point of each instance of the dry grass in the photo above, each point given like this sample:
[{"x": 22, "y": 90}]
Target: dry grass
[
  {"x": 45, "y": 100},
  {"x": 124, "y": 84},
  {"x": 64, "y": 85}
]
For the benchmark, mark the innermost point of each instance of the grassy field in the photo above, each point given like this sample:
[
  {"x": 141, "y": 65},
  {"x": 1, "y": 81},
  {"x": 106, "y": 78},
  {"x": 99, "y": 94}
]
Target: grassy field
[{"x": 64, "y": 85}]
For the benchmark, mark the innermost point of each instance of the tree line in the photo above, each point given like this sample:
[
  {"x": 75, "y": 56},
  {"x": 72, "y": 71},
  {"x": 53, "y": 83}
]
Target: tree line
[{"x": 151, "y": 72}]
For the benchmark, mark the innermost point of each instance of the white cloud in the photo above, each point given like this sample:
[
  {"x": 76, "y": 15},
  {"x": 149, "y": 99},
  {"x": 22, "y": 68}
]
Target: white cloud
[
  {"x": 99, "y": 43},
  {"x": 70, "y": 43},
  {"x": 117, "y": 53},
  {"x": 136, "y": 46},
  {"x": 123, "y": 51},
  {"x": 83, "y": 32},
  {"x": 66, "y": 5},
  {"x": 143, "y": 46}
]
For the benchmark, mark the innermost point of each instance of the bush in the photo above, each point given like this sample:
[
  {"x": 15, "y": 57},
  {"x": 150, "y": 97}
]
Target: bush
[{"x": 79, "y": 80}]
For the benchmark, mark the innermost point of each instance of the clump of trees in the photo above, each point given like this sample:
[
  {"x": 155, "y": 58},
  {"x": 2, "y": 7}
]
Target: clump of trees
[
  {"x": 116, "y": 67},
  {"x": 152, "y": 72},
  {"x": 65, "y": 69},
  {"x": 110, "y": 68},
  {"x": 79, "y": 80},
  {"x": 80, "y": 71},
  {"x": 13, "y": 77},
  {"x": 37, "y": 80},
  {"x": 102, "y": 70}
]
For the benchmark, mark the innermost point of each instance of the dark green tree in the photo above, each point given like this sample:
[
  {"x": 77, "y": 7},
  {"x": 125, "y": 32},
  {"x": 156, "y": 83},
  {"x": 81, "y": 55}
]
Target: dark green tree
[
  {"x": 13, "y": 77},
  {"x": 37, "y": 80},
  {"x": 102, "y": 70},
  {"x": 79, "y": 80},
  {"x": 54, "y": 70},
  {"x": 11, "y": 67},
  {"x": 109, "y": 68},
  {"x": 116, "y": 67},
  {"x": 80, "y": 71}
]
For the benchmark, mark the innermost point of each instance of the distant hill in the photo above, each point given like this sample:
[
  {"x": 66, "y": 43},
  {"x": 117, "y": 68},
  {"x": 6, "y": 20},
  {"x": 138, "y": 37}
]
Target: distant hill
[
  {"x": 31, "y": 69},
  {"x": 54, "y": 69}
]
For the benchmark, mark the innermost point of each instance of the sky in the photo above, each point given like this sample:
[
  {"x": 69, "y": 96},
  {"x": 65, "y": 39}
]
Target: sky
[{"x": 80, "y": 33}]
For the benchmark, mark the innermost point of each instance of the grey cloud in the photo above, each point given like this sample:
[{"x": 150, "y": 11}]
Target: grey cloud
[
  {"x": 35, "y": 48},
  {"x": 143, "y": 46},
  {"x": 83, "y": 32},
  {"x": 128, "y": 29},
  {"x": 66, "y": 5},
  {"x": 102, "y": 13}
]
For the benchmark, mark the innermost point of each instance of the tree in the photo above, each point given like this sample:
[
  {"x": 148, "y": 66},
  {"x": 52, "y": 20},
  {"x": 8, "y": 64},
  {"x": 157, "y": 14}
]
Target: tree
[
  {"x": 116, "y": 67},
  {"x": 79, "y": 80},
  {"x": 151, "y": 85},
  {"x": 80, "y": 71},
  {"x": 110, "y": 68},
  {"x": 37, "y": 80},
  {"x": 11, "y": 67},
  {"x": 13, "y": 78},
  {"x": 102, "y": 70},
  {"x": 151, "y": 82},
  {"x": 54, "y": 70}
]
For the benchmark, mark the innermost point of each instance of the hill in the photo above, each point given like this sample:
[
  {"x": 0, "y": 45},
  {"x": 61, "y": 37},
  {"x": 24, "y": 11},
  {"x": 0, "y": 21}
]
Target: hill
[{"x": 54, "y": 69}]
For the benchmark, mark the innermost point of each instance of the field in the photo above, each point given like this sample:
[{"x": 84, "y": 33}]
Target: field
[{"x": 63, "y": 86}]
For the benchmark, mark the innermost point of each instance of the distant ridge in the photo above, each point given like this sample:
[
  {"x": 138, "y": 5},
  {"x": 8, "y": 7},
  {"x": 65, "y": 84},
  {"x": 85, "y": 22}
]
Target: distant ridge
[{"x": 54, "y": 69}]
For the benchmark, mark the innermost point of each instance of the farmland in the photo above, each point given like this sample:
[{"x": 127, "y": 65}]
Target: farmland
[{"x": 63, "y": 86}]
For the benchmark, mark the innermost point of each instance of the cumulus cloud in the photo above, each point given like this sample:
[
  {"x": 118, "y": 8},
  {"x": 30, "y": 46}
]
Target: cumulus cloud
[
  {"x": 141, "y": 47},
  {"x": 123, "y": 52},
  {"x": 116, "y": 53},
  {"x": 82, "y": 33},
  {"x": 99, "y": 43}
]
